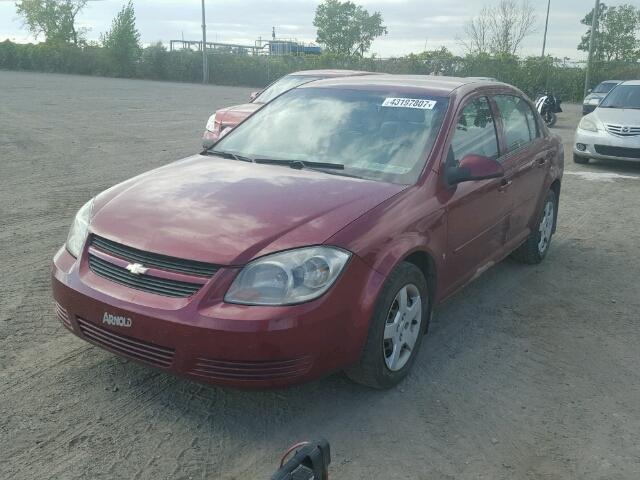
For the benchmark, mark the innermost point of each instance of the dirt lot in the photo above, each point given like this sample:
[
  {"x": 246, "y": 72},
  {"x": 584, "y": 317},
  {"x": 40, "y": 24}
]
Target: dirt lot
[{"x": 529, "y": 373}]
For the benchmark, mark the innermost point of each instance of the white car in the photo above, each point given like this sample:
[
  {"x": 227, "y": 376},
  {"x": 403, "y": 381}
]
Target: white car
[{"x": 612, "y": 131}]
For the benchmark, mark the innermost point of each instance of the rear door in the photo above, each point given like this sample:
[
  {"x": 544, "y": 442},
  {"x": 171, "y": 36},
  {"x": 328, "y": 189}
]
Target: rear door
[
  {"x": 477, "y": 211},
  {"x": 527, "y": 158}
]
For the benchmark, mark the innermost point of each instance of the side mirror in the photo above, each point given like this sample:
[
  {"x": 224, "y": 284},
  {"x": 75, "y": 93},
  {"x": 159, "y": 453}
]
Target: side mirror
[
  {"x": 210, "y": 139},
  {"x": 253, "y": 95},
  {"x": 474, "y": 167},
  {"x": 589, "y": 90}
]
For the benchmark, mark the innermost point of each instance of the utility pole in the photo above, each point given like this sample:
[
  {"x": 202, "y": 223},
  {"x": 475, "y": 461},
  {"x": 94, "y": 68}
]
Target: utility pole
[
  {"x": 205, "y": 67},
  {"x": 546, "y": 27},
  {"x": 592, "y": 44}
]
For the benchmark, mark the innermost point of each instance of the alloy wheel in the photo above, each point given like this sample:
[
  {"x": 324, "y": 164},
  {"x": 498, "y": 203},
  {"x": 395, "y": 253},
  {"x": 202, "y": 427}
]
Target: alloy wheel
[
  {"x": 402, "y": 327},
  {"x": 546, "y": 227}
]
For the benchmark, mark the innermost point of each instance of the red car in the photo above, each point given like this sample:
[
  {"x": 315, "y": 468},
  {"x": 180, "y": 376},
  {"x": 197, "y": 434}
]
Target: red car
[
  {"x": 317, "y": 235},
  {"x": 227, "y": 118}
]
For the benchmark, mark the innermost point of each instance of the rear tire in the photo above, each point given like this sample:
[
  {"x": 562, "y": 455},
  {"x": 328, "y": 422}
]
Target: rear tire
[
  {"x": 579, "y": 159},
  {"x": 550, "y": 119},
  {"x": 391, "y": 320},
  {"x": 535, "y": 248}
]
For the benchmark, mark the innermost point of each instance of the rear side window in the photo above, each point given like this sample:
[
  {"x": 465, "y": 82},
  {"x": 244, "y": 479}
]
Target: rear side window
[
  {"x": 604, "y": 87},
  {"x": 518, "y": 121},
  {"x": 475, "y": 133}
]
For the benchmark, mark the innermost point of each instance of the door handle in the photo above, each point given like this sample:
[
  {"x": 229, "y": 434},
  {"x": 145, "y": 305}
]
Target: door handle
[{"x": 504, "y": 184}]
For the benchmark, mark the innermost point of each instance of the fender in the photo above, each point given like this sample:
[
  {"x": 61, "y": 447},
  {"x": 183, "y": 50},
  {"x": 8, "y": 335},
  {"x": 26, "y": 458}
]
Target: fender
[{"x": 404, "y": 213}]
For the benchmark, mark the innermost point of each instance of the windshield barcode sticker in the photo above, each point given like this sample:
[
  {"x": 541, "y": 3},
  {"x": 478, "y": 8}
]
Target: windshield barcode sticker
[{"x": 409, "y": 103}]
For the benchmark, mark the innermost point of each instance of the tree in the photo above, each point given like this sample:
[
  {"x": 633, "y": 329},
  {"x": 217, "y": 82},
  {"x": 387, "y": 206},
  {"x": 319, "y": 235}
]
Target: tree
[
  {"x": 501, "y": 28},
  {"x": 617, "y": 38},
  {"x": 346, "y": 28},
  {"x": 477, "y": 33},
  {"x": 123, "y": 40},
  {"x": 55, "y": 19}
]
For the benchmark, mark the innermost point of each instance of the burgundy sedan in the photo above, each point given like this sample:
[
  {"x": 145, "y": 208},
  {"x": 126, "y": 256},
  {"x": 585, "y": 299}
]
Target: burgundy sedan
[
  {"x": 230, "y": 117},
  {"x": 316, "y": 236}
]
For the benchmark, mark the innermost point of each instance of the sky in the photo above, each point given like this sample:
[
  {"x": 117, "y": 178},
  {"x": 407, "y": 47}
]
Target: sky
[{"x": 412, "y": 24}]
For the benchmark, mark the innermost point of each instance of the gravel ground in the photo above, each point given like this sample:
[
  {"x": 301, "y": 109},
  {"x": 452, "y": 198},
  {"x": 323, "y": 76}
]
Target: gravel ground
[{"x": 529, "y": 373}]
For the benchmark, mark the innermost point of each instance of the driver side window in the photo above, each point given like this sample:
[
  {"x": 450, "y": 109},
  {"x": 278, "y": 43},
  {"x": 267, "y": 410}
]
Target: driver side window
[{"x": 475, "y": 133}]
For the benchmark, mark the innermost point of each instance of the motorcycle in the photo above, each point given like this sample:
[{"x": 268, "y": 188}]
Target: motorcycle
[{"x": 548, "y": 105}]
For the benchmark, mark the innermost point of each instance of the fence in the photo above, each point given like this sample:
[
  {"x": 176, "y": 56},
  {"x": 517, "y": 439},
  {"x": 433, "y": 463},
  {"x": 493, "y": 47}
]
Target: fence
[{"x": 532, "y": 74}]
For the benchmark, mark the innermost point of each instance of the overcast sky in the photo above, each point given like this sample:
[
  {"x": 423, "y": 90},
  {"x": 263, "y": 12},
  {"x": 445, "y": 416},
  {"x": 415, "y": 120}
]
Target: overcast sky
[{"x": 411, "y": 23}]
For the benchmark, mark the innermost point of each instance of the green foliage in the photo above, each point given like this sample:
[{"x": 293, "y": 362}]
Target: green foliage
[
  {"x": 532, "y": 75},
  {"x": 345, "y": 28},
  {"x": 617, "y": 38},
  {"x": 55, "y": 19},
  {"x": 123, "y": 41}
]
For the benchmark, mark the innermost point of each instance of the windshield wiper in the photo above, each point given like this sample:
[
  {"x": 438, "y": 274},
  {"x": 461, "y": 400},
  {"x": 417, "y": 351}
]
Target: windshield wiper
[
  {"x": 232, "y": 156},
  {"x": 300, "y": 164}
]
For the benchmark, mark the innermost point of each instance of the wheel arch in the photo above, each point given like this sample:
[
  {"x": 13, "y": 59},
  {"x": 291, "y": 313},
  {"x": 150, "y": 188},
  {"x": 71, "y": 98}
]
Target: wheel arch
[{"x": 427, "y": 265}]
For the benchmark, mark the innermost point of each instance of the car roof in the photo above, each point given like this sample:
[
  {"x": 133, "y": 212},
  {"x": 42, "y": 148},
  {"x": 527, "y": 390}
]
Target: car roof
[
  {"x": 425, "y": 84},
  {"x": 331, "y": 73},
  {"x": 631, "y": 82},
  {"x": 611, "y": 81}
]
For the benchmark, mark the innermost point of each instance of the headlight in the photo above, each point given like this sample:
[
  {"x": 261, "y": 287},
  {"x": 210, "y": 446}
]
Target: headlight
[
  {"x": 587, "y": 124},
  {"x": 211, "y": 123},
  {"x": 79, "y": 229},
  {"x": 289, "y": 277},
  {"x": 594, "y": 101}
]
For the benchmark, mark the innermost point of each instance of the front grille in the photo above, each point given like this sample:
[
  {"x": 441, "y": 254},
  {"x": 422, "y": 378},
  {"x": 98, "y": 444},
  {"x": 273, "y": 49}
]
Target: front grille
[
  {"x": 622, "y": 152},
  {"x": 147, "y": 283},
  {"x": 63, "y": 316},
  {"x": 148, "y": 259},
  {"x": 622, "y": 130},
  {"x": 234, "y": 370},
  {"x": 127, "y": 346}
]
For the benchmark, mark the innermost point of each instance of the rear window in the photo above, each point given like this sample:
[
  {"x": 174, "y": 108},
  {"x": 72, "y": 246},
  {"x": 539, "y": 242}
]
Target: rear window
[
  {"x": 284, "y": 84},
  {"x": 604, "y": 87}
]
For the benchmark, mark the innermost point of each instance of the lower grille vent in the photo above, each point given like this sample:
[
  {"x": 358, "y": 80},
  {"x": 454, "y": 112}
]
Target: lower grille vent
[
  {"x": 63, "y": 316},
  {"x": 234, "y": 370},
  {"x": 127, "y": 346}
]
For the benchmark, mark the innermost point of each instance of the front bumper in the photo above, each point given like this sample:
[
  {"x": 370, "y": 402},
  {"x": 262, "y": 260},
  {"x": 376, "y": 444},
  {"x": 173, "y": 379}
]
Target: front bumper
[
  {"x": 602, "y": 145},
  {"x": 203, "y": 338}
]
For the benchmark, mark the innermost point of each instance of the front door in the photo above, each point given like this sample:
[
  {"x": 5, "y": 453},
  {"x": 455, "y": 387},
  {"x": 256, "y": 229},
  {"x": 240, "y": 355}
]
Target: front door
[{"x": 477, "y": 211}]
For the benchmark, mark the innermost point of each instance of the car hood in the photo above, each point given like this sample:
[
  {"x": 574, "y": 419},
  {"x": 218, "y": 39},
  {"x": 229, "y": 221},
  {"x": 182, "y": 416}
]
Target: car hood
[
  {"x": 232, "y": 116},
  {"x": 228, "y": 212},
  {"x": 591, "y": 96},
  {"x": 618, "y": 116}
]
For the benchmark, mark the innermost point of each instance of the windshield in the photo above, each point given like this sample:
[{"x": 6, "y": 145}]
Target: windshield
[
  {"x": 623, "y": 96},
  {"x": 284, "y": 84},
  {"x": 604, "y": 87},
  {"x": 377, "y": 135}
]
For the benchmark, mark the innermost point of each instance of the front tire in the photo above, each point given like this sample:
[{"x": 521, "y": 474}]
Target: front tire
[
  {"x": 535, "y": 248},
  {"x": 397, "y": 328},
  {"x": 550, "y": 119}
]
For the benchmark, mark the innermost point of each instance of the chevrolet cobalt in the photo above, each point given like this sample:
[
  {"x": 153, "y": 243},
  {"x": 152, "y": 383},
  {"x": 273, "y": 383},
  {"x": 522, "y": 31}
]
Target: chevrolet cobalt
[{"x": 317, "y": 235}]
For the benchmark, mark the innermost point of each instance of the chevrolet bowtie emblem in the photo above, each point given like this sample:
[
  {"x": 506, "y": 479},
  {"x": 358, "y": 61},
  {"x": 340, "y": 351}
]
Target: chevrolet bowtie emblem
[{"x": 137, "y": 269}]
